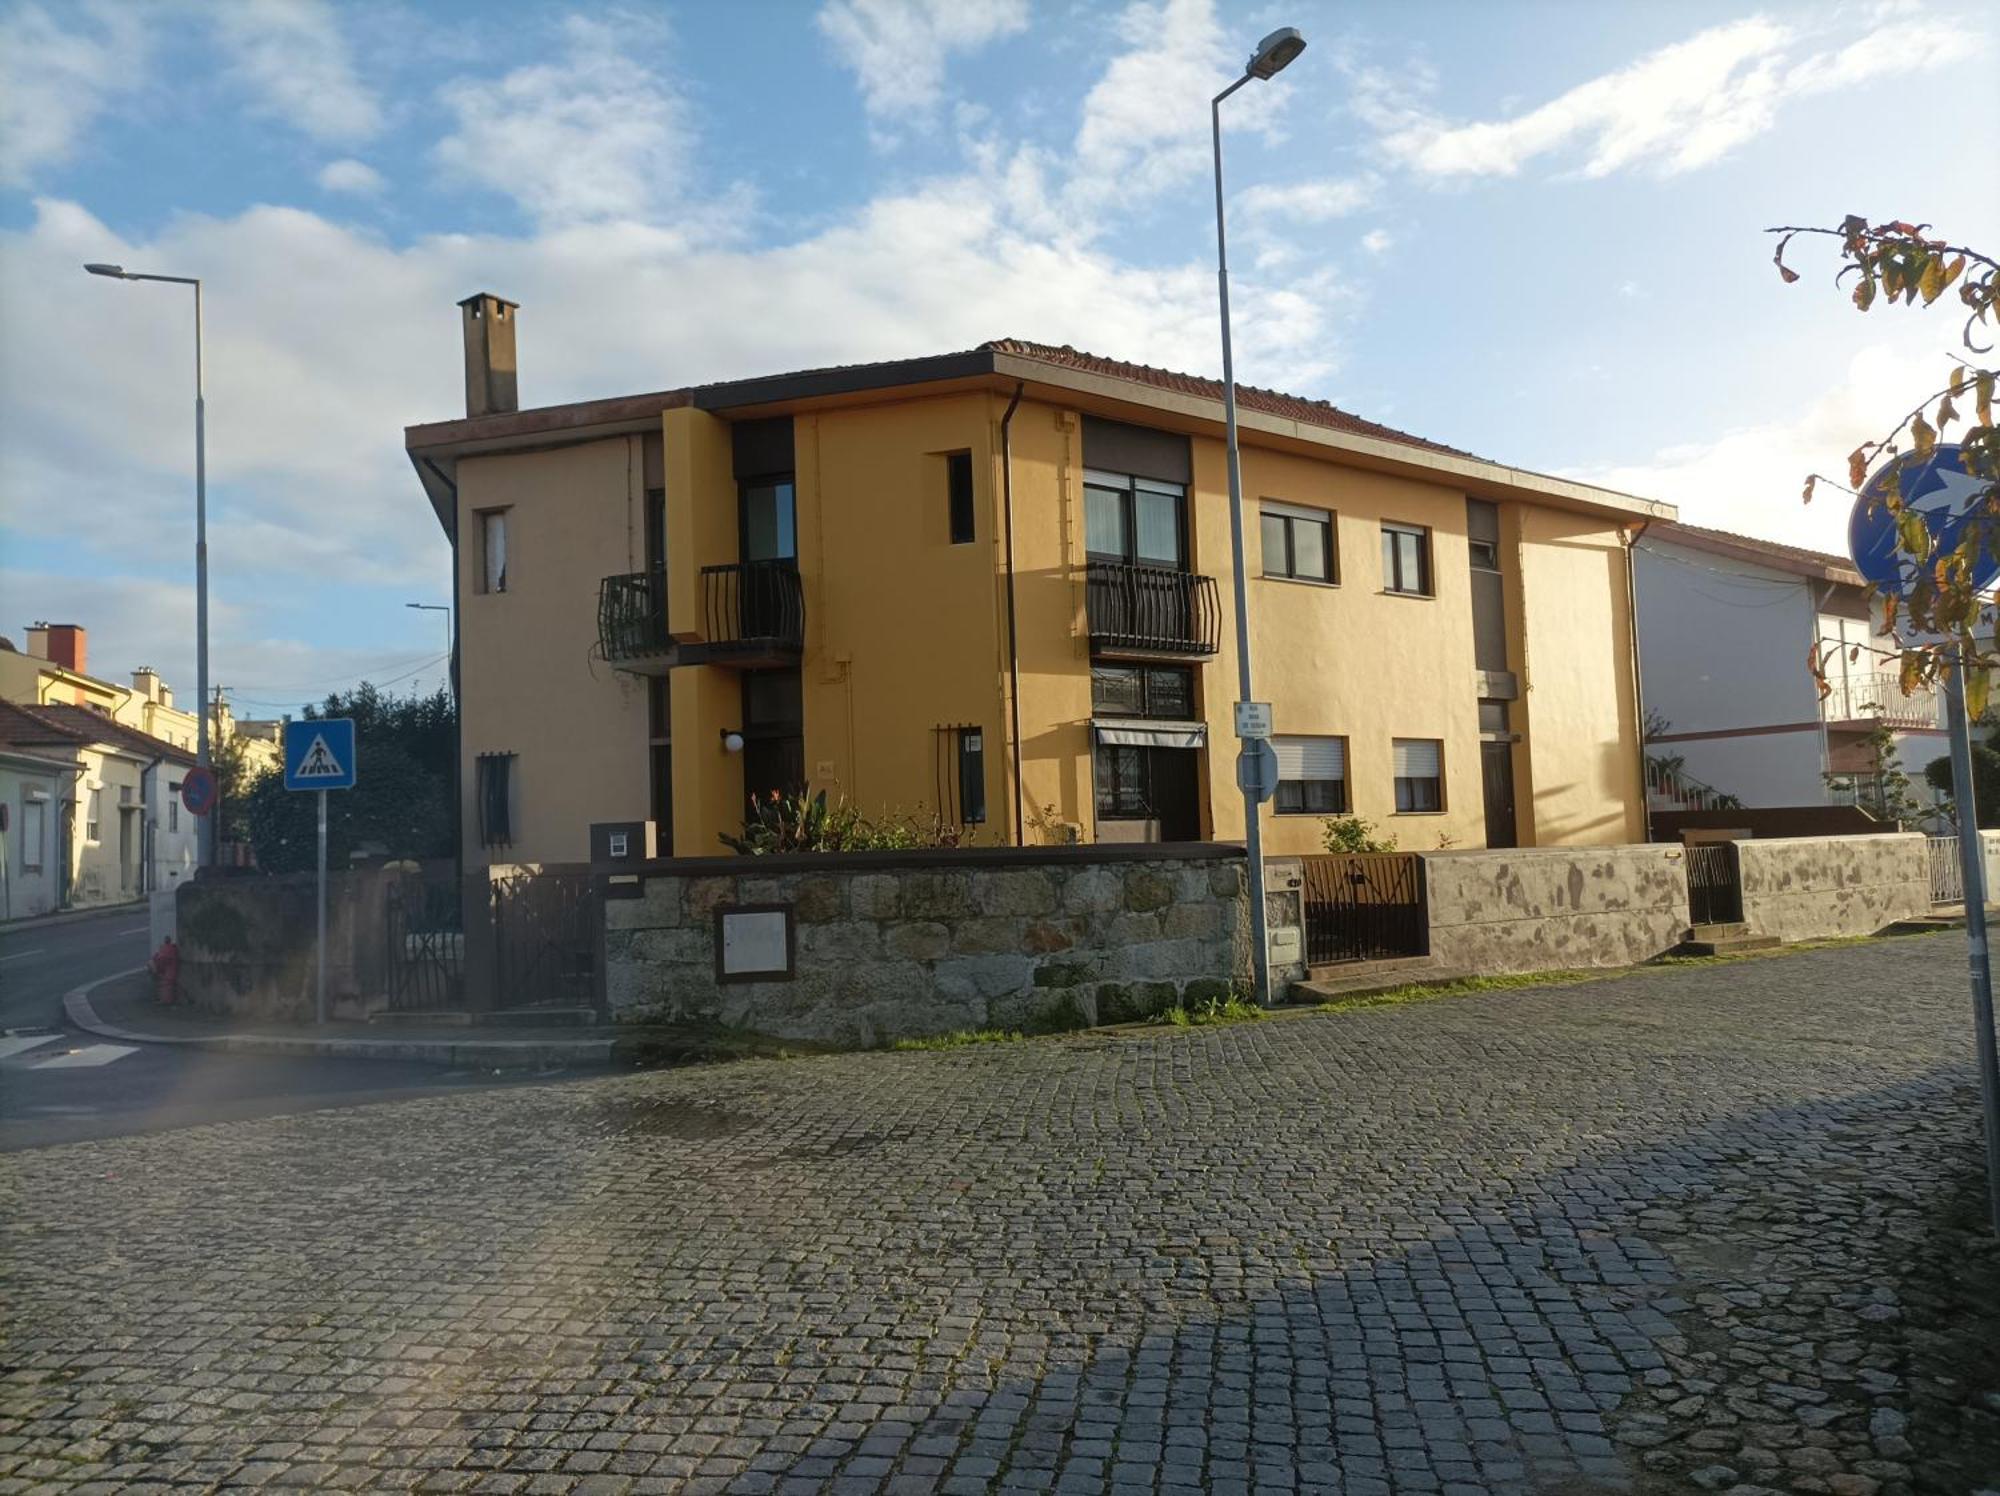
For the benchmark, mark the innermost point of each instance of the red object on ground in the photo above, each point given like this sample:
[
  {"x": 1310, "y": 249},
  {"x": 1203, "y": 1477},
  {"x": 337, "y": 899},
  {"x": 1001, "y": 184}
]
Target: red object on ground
[{"x": 166, "y": 969}]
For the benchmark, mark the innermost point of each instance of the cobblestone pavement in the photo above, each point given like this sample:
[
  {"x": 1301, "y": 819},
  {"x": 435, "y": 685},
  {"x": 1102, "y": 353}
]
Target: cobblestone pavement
[{"x": 1700, "y": 1227}]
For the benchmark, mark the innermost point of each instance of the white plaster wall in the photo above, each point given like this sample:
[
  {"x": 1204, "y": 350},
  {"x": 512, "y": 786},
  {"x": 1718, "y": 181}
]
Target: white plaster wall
[
  {"x": 1723, "y": 643},
  {"x": 1781, "y": 768}
]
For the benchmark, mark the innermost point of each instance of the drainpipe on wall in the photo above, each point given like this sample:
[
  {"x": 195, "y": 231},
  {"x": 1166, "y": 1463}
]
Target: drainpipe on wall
[
  {"x": 1013, "y": 638},
  {"x": 1638, "y": 680},
  {"x": 457, "y": 699}
]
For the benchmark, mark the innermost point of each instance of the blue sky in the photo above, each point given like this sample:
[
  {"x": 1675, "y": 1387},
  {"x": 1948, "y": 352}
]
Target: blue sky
[{"x": 1531, "y": 230}]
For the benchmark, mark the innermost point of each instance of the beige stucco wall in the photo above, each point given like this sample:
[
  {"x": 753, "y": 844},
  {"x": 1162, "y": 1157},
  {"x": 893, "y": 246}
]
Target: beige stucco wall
[
  {"x": 1554, "y": 908},
  {"x": 1810, "y": 888},
  {"x": 532, "y": 684}
]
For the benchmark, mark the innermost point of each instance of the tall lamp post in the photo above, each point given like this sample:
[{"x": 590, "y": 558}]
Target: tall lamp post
[
  {"x": 1273, "y": 53},
  {"x": 444, "y": 608},
  {"x": 205, "y": 840}
]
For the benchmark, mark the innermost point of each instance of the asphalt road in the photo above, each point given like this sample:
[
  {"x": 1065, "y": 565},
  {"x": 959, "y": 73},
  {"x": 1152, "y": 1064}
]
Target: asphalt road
[{"x": 58, "y": 1085}]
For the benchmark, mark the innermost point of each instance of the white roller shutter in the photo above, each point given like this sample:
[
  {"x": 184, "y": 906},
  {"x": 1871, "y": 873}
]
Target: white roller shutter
[
  {"x": 1311, "y": 758},
  {"x": 1417, "y": 758}
]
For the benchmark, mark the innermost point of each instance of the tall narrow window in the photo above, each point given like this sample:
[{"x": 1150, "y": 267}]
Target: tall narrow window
[
  {"x": 96, "y": 812},
  {"x": 493, "y": 550},
  {"x": 174, "y": 806},
  {"x": 958, "y": 490},
  {"x": 660, "y": 751},
  {"x": 769, "y": 520},
  {"x": 496, "y": 804},
  {"x": 1419, "y": 769},
  {"x": 34, "y": 832},
  {"x": 1406, "y": 560},
  {"x": 971, "y": 776}
]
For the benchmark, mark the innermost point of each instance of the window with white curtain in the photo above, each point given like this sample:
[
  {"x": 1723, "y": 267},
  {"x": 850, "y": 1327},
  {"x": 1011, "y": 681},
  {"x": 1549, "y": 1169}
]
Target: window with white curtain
[
  {"x": 493, "y": 550},
  {"x": 1312, "y": 776},
  {"x": 1419, "y": 770},
  {"x": 34, "y": 832}
]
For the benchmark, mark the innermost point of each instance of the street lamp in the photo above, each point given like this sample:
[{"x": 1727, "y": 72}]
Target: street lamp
[
  {"x": 1273, "y": 53},
  {"x": 444, "y": 608},
  {"x": 205, "y": 839}
]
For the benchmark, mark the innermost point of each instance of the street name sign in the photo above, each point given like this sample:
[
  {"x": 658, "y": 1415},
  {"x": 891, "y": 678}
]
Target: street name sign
[
  {"x": 1253, "y": 719},
  {"x": 319, "y": 754}
]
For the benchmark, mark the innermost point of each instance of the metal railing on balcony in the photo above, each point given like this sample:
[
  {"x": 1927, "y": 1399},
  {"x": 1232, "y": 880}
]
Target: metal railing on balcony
[
  {"x": 632, "y": 616},
  {"x": 1154, "y": 609},
  {"x": 1878, "y": 696},
  {"x": 753, "y": 608}
]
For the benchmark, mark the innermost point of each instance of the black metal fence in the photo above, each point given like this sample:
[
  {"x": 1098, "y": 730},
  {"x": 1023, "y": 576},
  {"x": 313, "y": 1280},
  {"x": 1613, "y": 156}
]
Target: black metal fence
[
  {"x": 632, "y": 616},
  {"x": 1715, "y": 887},
  {"x": 524, "y": 938},
  {"x": 1152, "y": 608},
  {"x": 1365, "y": 906},
  {"x": 754, "y": 602}
]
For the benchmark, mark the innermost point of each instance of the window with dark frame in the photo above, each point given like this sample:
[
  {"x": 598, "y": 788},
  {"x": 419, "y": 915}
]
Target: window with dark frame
[
  {"x": 1299, "y": 544},
  {"x": 1136, "y": 521},
  {"x": 1165, "y": 691},
  {"x": 495, "y": 789},
  {"x": 1312, "y": 775},
  {"x": 1406, "y": 560},
  {"x": 96, "y": 806},
  {"x": 774, "y": 751},
  {"x": 1124, "y": 783},
  {"x": 660, "y": 758},
  {"x": 493, "y": 550},
  {"x": 958, "y": 492},
  {"x": 1419, "y": 771}
]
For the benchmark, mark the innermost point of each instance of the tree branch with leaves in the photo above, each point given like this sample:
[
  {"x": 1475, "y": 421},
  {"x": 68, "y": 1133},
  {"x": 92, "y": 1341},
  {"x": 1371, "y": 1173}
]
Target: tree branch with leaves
[{"x": 1903, "y": 264}]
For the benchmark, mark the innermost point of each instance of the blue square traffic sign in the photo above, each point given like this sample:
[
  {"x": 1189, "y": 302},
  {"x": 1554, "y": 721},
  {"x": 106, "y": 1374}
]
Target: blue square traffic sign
[{"x": 319, "y": 754}]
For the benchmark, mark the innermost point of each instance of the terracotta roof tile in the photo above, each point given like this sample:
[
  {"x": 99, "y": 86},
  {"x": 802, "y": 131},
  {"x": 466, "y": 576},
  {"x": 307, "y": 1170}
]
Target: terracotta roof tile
[
  {"x": 81, "y": 722},
  {"x": 1270, "y": 402},
  {"x": 24, "y": 727}
]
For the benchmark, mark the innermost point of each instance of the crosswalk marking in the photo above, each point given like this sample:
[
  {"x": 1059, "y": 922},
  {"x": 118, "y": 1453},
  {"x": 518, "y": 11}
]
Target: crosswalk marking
[
  {"x": 13, "y": 1044},
  {"x": 89, "y": 1054}
]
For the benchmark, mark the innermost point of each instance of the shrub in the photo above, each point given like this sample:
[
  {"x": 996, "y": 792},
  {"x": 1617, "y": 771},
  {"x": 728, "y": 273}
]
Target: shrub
[
  {"x": 799, "y": 822},
  {"x": 1352, "y": 834}
]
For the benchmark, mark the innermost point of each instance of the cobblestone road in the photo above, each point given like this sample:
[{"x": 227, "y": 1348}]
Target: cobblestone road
[{"x": 1705, "y": 1227}]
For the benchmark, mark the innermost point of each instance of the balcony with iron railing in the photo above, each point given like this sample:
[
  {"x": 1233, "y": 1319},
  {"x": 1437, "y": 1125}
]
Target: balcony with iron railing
[
  {"x": 632, "y": 622},
  {"x": 1878, "y": 696},
  {"x": 753, "y": 615},
  {"x": 1155, "y": 611}
]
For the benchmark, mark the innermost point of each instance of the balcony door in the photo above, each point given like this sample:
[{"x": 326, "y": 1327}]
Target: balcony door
[
  {"x": 768, "y": 542},
  {"x": 1135, "y": 533}
]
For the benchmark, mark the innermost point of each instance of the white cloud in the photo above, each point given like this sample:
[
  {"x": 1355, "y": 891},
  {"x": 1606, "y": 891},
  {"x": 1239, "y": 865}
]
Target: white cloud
[
  {"x": 1748, "y": 479},
  {"x": 1378, "y": 241},
  {"x": 1682, "y": 107},
  {"x": 1317, "y": 200},
  {"x": 293, "y": 58},
  {"x": 55, "y": 80},
  {"x": 351, "y": 176},
  {"x": 595, "y": 135},
  {"x": 898, "y": 48}
]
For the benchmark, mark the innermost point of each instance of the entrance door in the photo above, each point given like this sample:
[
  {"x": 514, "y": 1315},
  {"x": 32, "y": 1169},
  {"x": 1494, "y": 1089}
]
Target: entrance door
[
  {"x": 1496, "y": 773},
  {"x": 1176, "y": 793}
]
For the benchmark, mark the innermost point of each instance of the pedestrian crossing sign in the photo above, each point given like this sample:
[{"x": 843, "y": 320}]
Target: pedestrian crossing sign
[{"x": 319, "y": 754}]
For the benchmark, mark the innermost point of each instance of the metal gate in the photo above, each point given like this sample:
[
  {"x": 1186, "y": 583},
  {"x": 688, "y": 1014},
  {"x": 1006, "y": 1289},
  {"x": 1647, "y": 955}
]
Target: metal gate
[
  {"x": 425, "y": 960},
  {"x": 1947, "y": 876},
  {"x": 1715, "y": 889},
  {"x": 544, "y": 940},
  {"x": 1365, "y": 906}
]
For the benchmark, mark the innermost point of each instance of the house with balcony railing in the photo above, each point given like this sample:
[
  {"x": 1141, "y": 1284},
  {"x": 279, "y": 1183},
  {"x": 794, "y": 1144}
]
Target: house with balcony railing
[
  {"x": 993, "y": 588},
  {"x": 1730, "y": 631}
]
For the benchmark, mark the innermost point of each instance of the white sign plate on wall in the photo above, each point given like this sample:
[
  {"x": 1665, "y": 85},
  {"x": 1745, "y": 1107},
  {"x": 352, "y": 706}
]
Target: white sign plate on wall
[{"x": 753, "y": 942}]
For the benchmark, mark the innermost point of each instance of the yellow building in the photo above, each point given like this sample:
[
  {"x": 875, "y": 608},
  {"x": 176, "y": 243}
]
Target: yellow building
[{"x": 994, "y": 586}]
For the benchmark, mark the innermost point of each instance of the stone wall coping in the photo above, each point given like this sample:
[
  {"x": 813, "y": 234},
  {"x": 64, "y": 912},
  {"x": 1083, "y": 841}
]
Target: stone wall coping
[
  {"x": 1570, "y": 854},
  {"x": 1783, "y": 843},
  {"x": 925, "y": 858}
]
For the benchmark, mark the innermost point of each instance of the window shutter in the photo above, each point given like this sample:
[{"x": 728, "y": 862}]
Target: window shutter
[
  {"x": 1416, "y": 758},
  {"x": 1311, "y": 758}
]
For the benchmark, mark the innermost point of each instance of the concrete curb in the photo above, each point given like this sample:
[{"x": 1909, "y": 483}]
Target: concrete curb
[
  {"x": 71, "y": 917},
  {"x": 485, "y": 1054}
]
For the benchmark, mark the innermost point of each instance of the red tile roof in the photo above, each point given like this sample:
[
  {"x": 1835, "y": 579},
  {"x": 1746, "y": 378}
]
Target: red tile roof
[
  {"x": 24, "y": 727},
  {"x": 82, "y": 724},
  {"x": 1270, "y": 402}
]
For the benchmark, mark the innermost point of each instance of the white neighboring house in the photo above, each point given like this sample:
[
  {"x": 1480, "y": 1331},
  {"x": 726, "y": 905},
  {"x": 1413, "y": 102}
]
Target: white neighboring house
[{"x": 1728, "y": 629}]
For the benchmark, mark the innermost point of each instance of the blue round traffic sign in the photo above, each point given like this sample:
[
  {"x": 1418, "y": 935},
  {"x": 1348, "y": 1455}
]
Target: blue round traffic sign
[
  {"x": 198, "y": 791},
  {"x": 1937, "y": 487}
]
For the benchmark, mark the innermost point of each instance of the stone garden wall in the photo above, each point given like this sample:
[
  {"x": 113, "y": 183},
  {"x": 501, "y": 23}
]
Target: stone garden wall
[
  {"x": 249, "y": 945},
  {"x": 1809, "y": 888},
  {"x": 1555, "y": 908},
  {"x": 889, "y": 945}
]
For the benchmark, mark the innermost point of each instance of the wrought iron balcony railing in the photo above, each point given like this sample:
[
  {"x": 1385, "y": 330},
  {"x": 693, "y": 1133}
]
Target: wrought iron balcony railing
[
  {"x": 1878, "y": 696},
  {"x": 1152, "y": 609},
  {"x": 753, "y": 610},
  {"x": 632, "y": 617}
]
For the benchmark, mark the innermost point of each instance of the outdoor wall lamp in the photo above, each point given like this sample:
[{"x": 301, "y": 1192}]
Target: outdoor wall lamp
[{"x": 732, "y": 740}]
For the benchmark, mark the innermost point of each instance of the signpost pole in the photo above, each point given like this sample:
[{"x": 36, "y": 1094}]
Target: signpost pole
[
  {"x": 1972, "y": 867},
  {"x": 320, "y": 1004}
]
